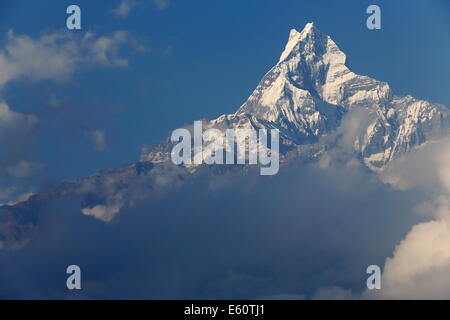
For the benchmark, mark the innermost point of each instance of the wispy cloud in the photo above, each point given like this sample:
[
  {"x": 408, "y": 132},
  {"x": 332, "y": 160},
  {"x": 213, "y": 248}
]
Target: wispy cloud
[
  {"x": 99, "y": 137},
  {"x": 420, "y": 264},
  {"x": 23, "y": 169},
  {"x": 55, "y": 56},
  {"x": 10, "y": 120},
  {"x": 124, "y": 8}
]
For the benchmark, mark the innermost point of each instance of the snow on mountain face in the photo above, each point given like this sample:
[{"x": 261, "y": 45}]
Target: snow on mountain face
[
  {"x": 308, "y": 91},
  {"x": 305, "y": 95}
]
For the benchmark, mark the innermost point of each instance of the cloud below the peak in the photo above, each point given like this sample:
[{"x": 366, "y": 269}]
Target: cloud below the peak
[
  {"x": 419, "y": 266},
  {"x": 203, "y": 238}
]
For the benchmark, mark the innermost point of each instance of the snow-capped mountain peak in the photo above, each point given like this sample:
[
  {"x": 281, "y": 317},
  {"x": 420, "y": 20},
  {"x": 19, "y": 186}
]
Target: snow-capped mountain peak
[
  {"x": 305, "y": 96},
  {"x": 312, "y": 41},
  {"x": 309, "y": 90}
]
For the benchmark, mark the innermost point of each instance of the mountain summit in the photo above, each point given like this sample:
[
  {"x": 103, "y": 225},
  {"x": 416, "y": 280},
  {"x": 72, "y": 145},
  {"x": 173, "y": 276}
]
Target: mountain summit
[{"x": 306, "y": 94}]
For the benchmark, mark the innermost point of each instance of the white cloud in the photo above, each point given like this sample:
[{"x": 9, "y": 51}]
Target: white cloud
[
  {"x": 10, "y": 120},
  {"x": 55, "y": 56},
  {"x": 104, "y": 49},
  {"x": 420, "y": 264},
  {"x": 20, "y": 198},
  {"x": 102, "y": 212},
  {"x": 124, "y": 8}
]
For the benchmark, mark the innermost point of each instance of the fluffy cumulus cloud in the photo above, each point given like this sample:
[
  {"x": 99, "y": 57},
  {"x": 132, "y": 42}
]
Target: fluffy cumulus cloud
[{"x": 420, "y": 264}]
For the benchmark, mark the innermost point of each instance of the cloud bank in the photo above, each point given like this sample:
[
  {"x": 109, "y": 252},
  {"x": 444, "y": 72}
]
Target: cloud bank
[
  {"x": 235, "y": 235},
  {"x": 420, "y": 264}
]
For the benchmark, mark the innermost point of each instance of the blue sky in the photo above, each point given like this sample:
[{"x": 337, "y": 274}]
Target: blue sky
[{"x": 203, "y": 59}]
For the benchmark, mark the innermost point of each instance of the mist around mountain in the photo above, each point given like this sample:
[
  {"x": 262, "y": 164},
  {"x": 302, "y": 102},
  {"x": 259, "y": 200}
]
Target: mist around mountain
[{"x": 357, "y": 165}]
